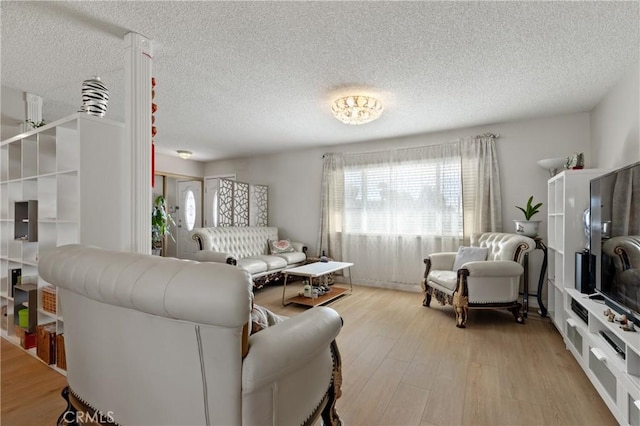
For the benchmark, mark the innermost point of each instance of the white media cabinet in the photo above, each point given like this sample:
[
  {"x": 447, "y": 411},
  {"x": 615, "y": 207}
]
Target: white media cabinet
[{"x": 616, "y": 379}]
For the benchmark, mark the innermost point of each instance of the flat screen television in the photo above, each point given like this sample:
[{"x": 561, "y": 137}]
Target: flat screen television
[{"x": 615, "y": 239}]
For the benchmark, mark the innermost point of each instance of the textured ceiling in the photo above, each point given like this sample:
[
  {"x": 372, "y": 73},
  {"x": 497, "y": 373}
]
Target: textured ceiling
[{"x": 243, "y": 78}]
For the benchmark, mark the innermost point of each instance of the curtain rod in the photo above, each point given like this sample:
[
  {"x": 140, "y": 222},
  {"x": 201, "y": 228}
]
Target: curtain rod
[
  {"x": 484, "y": 135},
  {"x": 488, "y": 135}
]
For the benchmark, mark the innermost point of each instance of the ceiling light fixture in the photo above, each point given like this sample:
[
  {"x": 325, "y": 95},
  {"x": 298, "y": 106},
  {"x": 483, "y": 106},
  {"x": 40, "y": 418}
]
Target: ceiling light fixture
[
  {"x": 185, "y": 155},
  {"x": 358, "y": 109}
]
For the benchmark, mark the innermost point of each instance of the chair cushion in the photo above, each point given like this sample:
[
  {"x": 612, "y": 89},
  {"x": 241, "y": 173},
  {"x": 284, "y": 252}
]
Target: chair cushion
[
  {"x": 280, "y": 246},
  {"x": 447, "y": 279},
  {"x": 293, "y": 257},
  {"x": 252, "y": 265},
  {"x": 469, "y": 254},
  {"x": 273, "y": 262}
]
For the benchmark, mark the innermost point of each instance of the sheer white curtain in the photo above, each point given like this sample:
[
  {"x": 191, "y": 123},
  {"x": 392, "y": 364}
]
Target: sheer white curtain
[{"x": 386, "y": 211}]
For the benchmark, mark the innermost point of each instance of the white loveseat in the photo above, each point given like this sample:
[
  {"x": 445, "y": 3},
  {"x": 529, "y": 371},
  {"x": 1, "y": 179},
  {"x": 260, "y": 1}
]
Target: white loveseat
[
  {"x": 162, "y": 341},
  {"x": 248, "y": 248}
]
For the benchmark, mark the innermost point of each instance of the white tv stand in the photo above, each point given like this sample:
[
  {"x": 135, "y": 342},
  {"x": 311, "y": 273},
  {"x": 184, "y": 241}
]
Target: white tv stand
[{"x": 616, "y": 378}]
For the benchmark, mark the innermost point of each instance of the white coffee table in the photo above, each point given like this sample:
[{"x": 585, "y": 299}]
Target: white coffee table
[{"x": 315, "y": 270}]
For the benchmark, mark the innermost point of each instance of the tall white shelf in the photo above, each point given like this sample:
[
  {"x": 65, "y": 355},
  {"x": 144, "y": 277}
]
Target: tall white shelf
[
  {"x": 567, "y": 199},
  {"x": 616, "y": 378},
  {"x": 75, "y": 168}
]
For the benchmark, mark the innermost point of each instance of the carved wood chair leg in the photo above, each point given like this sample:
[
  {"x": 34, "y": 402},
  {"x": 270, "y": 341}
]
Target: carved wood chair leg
[
  {"x": 69, "y": 415},
  {"x": 461, "y": 316},
  {"x": 516, "y": 313},
  {"x": 427, "y": 299},
  {"x": 330, "y": 415}
]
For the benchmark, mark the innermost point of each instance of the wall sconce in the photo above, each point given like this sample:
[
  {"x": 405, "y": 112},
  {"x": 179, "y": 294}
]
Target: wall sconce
[
  {"x": 185, "y": 155},
  {"x": 552, "y": 164}
]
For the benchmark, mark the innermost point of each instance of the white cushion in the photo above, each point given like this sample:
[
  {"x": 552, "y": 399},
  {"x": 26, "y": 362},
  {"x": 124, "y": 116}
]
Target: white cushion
[
  {"x": 293, "y": 257},
  {"x": 273, "y": 262},
  {"x": 446, "y": 279},
  {"x": 252, "y": 266},
  {"x": 469, "y": 254}
]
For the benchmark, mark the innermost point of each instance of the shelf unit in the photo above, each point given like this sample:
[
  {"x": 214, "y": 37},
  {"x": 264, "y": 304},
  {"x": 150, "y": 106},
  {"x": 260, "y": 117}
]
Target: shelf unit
[
  {"x": 71, "y": 174},
  {"x": 616, "y": 378},
  {"x": 567, "y": 199}
]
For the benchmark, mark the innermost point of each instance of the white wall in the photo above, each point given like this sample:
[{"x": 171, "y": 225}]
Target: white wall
[
  {"x": 614, "y": 124},
  {"x": 294, "y": 177},
  {"x": 167, "y": 164}
]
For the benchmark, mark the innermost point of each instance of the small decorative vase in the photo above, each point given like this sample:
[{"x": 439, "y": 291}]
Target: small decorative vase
[
  {"x": 95, "y": 97},
  {"x": 528, "y": 228}
]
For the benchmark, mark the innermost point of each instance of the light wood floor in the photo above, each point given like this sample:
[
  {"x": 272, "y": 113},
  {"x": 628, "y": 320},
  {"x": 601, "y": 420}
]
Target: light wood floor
[
  {"x": 403, "y": 365},
  {"x": 30, "y": 390}
]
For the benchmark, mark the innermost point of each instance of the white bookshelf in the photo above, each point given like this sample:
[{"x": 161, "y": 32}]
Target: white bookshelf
[
  {"x": 567, "y": 199},
  {"x": 76, "y": 171}
]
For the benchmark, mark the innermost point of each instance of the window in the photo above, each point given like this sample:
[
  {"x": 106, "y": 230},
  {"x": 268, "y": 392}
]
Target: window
[
  {"x": 190, "y": 210},
  {"x": 404, "y": 198}
]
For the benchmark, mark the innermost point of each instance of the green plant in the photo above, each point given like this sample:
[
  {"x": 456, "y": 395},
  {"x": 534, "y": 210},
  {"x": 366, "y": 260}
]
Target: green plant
[
  {"x": 530, "y": 210},
  {"x": 161, "y": 222}
]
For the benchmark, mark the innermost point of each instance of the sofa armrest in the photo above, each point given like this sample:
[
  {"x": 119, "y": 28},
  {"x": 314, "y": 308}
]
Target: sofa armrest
[
  {"x": 215, "y": 256},
  {"x": 494, "y": 268},
  {"x": 442, "y": 261},
  {"x": 287, "y": 346},
  {"x": 299, "y": 247}
]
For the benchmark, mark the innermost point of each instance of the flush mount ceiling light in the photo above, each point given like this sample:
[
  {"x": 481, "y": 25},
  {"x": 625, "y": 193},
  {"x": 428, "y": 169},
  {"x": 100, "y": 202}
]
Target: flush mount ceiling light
[
  {"x": 185, "y": 155},
  {"x": 358, "y": 109}
]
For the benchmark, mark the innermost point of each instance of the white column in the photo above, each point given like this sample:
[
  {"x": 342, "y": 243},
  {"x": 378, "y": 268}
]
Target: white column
[
  {"x": 138, "y": 60},
  {"x": 34, "y": 107}
]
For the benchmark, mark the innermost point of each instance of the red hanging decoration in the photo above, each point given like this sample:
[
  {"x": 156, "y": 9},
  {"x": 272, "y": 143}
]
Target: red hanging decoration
[{"x": 154, "y": 108}]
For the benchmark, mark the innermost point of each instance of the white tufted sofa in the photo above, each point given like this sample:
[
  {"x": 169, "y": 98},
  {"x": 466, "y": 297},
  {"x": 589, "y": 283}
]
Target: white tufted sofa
[
  {"x": 161, "y": 341},
  {"x": 248, "y": 248},
  {"x": 491, "y": 283}
]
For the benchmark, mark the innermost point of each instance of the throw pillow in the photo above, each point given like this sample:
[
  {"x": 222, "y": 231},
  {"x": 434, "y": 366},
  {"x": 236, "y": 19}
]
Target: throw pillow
[
  {"x": 280, "y": 246},
  {"x": 262, "y": 318},
  {"x": 469, "y": 254}
]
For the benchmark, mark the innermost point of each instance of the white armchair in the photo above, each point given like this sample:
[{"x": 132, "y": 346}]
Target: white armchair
[
  {"x": 490, "y": 283},
  {"x": 161, "y": 341}
]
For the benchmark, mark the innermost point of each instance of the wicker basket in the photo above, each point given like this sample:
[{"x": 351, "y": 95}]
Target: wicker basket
[{"x": 49, "y": 299}]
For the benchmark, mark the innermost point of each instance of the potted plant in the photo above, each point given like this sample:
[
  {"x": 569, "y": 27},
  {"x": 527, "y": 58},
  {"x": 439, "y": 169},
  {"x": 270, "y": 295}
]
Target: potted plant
[
  {"x": 161, "y": 222},
  {"x": 528, "y": 227}
]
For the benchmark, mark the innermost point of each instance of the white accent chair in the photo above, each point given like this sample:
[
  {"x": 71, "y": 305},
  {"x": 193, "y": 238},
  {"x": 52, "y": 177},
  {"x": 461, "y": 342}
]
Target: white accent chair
[
  {"x": 490, "y": 283},
  {"x": 161, "y": 341}
]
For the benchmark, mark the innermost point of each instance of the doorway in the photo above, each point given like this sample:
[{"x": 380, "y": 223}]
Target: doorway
[
  {"x": 167, "y": 185},
  {"x": 188, "y": 216}
]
